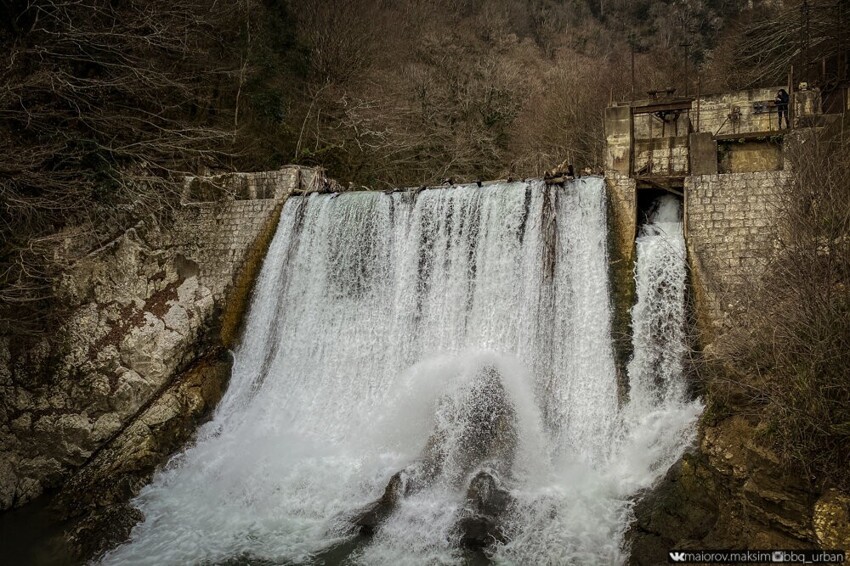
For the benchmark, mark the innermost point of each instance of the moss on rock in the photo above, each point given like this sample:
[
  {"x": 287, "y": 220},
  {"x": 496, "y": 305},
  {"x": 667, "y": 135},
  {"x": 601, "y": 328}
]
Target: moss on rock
[{"x": 239, "y": 297}]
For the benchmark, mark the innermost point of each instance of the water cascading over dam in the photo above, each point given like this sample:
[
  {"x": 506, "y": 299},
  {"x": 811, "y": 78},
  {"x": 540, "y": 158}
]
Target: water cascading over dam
[{"x": 438, "y": 333}]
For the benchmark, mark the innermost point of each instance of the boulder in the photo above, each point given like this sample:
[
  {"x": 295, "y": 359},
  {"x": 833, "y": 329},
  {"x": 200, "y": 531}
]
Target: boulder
[
  {"x": 370, "y": 517},
  {"x": 480, "y": 524},
  {"x": 832, "y": 519},
  {"x": 475, "y": 436},
  {"x": 474, "y": 429}
]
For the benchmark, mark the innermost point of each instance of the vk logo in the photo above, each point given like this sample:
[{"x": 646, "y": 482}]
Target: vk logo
[{"x": 677, "y": 556}]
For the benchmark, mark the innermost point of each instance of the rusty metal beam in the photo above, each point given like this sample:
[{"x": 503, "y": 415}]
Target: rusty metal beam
[
  {"x": 670, "y": 183},
  {"x": 751, "y": 135},
  {"x": 663, "y": 106}
]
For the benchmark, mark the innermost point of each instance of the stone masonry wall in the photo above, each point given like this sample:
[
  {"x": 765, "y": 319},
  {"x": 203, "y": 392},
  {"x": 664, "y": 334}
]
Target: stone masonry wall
[
  {"x": 142, "y": 309},
  {"x": 731, "y": 226},
  {"x": 215, "y": 234},
  {"x": 667, "y": 156}
]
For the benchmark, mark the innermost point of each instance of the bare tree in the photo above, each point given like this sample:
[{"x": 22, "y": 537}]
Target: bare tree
[
  {"x": 103, "y": 105},
  {"x": 792, "y": 345}
]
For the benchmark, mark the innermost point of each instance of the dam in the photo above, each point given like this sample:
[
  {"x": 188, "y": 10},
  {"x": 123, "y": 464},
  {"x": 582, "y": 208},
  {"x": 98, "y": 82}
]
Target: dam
[{"x": 387, "y": 332}]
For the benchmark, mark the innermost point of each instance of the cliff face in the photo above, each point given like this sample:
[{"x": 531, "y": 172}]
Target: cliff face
[
  {"x": 134, "y": 321},
  {"x": 145, "y": 312},
  {"x": 96, "y": 499},
  {"x": 732, "y": 492}
]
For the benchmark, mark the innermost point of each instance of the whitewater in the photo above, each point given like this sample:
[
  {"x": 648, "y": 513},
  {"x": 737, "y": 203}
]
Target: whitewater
[{"x": 372, "y": 321}]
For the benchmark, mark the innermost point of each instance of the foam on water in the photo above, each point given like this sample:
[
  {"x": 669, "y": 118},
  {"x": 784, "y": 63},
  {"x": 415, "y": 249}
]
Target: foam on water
[{"x": 373, "y": 321}]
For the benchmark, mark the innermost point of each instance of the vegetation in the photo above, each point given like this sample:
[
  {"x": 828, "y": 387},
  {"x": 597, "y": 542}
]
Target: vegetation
[
  {"x": 809, "y": 37},
  {"x": 103, "y": 105},
  {"x": 790, "y": 350},
  {"x": 785, "y": 361},
  {"x": 106, "y": 104}
]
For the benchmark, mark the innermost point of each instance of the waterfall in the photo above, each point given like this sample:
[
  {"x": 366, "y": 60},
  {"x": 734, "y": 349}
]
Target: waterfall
[
  {"x": 659, "y": 337},
  {"x": 440, "y": 333}
]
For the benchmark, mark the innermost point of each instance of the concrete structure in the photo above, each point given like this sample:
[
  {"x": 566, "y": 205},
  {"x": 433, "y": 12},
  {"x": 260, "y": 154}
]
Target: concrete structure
[
  {"x": 740, "y": 112},
  {"x": 806, "y": 108},
  {"x": 660, "y": 141},
  {"x": 724, "y": 155},
  {"x": 623, "y": 200},
  {"x": 618, "y": 139},
  {"x": 703, "y": 154}
]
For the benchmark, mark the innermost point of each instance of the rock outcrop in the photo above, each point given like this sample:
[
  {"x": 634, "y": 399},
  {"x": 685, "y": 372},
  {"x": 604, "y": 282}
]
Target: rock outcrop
[
  {"x": 97, "y": 497},
  {"x": 401, "y": 484},
  {"x": 478, "y": 427},
  {"x": 137, "y": 323},
  {"x": 475, "y": 438},
  {"x": 480, "y": 523},
  {"x": 733, "y": 492},
  {"x": 140, "y": 311},
  {"x": 831, "y": 520}
]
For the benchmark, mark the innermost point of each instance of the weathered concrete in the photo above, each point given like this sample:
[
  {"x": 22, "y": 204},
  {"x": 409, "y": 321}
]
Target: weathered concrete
[
  {"x": 718, "y": 115},
  {"x": 738, "y": 156},
  {"x": 618, "y": 137},
  {"x": 623, "y": 205},
  {"x": 703, "y": 154},
  {"x": 622, "y": 214},
  {"x": 807, "y": 107},
  {"x": 661, "y": 143},
  {"x": 141, "y": 309}
]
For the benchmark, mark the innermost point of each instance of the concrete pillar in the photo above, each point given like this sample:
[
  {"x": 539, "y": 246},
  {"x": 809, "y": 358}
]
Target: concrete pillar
[
  {"x": 703, "y": 154},
  {"x": 623, "y": 200},
  {"x": 618, "y": 138},
  {"x": 807, "y": 106}
]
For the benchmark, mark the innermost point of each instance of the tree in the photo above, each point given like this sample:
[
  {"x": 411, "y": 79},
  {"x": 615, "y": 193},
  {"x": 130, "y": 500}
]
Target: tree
[{"x": 104, "y": 104}]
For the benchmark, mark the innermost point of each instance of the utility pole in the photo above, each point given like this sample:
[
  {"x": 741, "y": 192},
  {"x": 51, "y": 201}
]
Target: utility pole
[
  {"x": 804, "y": 40},
  {"x": 632, "y": 48},
  {"x": 699, "y": 95},
  {"x": 840, "y": 63},
  {"x": 687, "y": 45}
]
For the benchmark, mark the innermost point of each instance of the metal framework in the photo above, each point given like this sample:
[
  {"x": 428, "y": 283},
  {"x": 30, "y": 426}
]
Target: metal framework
[{"x": 667, "y": 110}]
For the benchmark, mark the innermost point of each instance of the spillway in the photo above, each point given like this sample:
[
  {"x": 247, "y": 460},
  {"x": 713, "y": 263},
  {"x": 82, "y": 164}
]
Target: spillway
[{"x": 467, "y": 328}]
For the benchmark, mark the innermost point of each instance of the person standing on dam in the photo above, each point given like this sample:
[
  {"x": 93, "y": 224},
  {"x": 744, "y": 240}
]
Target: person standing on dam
[{"x": 781, "y": 101}]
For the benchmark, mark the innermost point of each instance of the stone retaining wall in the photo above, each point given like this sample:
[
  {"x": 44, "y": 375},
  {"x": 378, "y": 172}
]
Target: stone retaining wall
[{"x": 731, "y": 227}]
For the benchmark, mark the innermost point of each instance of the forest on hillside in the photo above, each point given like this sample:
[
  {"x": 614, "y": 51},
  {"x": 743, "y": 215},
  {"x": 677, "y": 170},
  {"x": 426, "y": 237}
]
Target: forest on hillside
[{"x": 107, "y": 104}]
